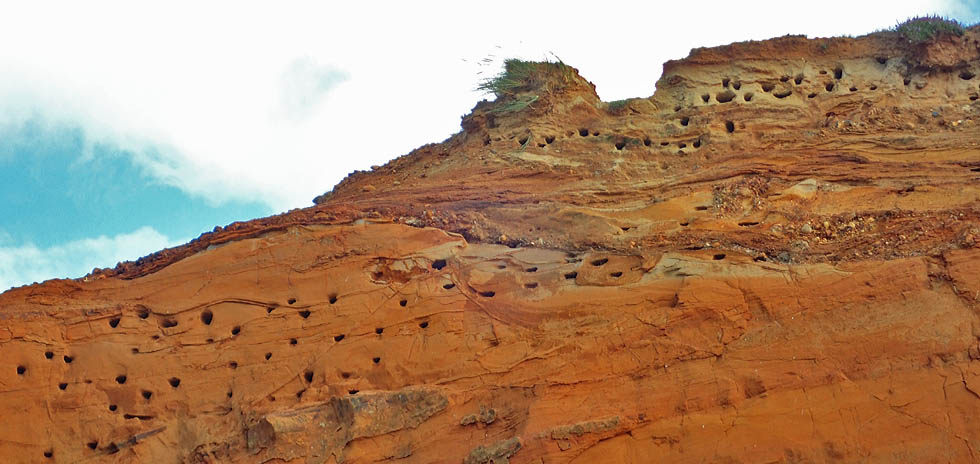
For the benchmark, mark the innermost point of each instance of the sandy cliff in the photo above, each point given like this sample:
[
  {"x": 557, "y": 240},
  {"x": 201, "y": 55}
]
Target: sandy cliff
[{"x": 774, "y": 258}]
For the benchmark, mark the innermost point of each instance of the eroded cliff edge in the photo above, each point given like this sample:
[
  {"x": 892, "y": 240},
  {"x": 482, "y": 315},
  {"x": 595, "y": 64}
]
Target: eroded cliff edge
[{"x": 772, "y": 259}]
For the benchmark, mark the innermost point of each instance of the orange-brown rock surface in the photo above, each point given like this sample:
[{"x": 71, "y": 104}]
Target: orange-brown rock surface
[{"x": 772, "y": 259}]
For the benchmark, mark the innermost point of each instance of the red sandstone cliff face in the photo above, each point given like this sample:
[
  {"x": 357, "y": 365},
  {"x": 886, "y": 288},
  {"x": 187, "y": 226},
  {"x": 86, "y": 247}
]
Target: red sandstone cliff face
[{"x": 772, "y": 259}]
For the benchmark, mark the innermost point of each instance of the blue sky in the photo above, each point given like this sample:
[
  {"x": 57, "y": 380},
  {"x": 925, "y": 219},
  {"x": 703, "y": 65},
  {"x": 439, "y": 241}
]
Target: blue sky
[{"x": 126, "y": 128}]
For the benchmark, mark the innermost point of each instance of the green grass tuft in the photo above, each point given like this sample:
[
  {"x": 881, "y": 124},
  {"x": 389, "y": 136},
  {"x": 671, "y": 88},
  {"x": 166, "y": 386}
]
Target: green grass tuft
[
  {"x": 923, "y": 29},
  {"x": 618, "y": 105},
  {"x": 521, "y": 76}
]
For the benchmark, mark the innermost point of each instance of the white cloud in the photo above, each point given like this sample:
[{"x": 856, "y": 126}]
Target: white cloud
[
  {"x": 26, "y": 264},
  {"x": 196, "y": 89}
]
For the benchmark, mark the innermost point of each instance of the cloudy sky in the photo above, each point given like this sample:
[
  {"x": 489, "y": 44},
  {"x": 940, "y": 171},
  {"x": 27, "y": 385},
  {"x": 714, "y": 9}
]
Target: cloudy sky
[{"x": 126, "y": 128}]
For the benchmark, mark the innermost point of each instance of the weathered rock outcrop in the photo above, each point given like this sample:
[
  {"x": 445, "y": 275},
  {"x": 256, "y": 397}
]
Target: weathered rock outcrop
[{"x": 775, "y": 258}]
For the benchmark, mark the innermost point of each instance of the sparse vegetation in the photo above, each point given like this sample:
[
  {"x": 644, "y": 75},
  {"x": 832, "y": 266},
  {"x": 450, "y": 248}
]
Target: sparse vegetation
[
  {"x": 926, "y": 28},
  {"x": 521, "y": 82},
  {"x": 618, "y": 105}
]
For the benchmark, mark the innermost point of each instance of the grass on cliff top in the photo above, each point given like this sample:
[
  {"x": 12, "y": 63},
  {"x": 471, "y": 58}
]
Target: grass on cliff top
[
  {"x": 923, "y": 29},
  {"x": 525, "y": 76}
]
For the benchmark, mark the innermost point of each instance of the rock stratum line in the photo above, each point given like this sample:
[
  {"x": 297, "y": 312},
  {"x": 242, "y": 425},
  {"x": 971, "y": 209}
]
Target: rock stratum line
[{"x": 774, "y": 258}]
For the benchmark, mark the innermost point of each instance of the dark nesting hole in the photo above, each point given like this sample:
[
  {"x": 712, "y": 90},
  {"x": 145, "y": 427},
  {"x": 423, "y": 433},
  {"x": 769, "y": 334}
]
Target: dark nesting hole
[
  {"x": 135, "y": 350},
  {"x": 737, "y": 85},
  {"x": 697, "y": 143},
  {"x": 829, "y": 86},
  {"x": 873, "y": 87},
  {"x": 304, "y": 313},
  {"x": 488, "y": 294},
  {"x": 143, "y": 314},
  {"x": 535, "y": 269},
  {"x": 62, "y": 386},
  {"x": 113, "y": 407},
  {"x": 174, "y": 382},
  {"x": 522, "y": 140},
  {"x": 207, "y": 316},
  {"x": 620, "y": 145},
  {"x": 403, "y": 303},
  {"x": 114, "y": 322},
  {"x": 501, "y": 266},
  {"x": 92, "y": 444},
  {"x": 700, "y": 208},
  {"x": 748, "y": 223},
  {"x": 718, "y": 256},
  {"x": 209, "y": 340},
  {"x": 906, "y": 81},
  {"x": 233, "y": 364},
  {"x": 583, "y": 132},
  {"x": 729, "y": 126},
  {"x": 798, "y": 80},
  {"x": 48, "y": 454},
  {"x": 724, "y": 82},
  {"x": 308, "y": 375},
  {"x": 975, "y": 170},
  {"x": 725, "y": 97},
  {"x": 706, "y": 98},
  {"x": 677, "y": 108},
  {"x": 531, "y": 285},
  {"x": 682, "y": 145},
  {"x": 291, "y": 301},
  {"x": 882, "y": 59},
  {"x": 549, "y": 139},
  {"x": 438, "y": 264},
  {"x": 155, "y": 337},
  {"x": 853, "y": 89},
  {"x": 685, "y": 224},
  {"x": 424, "y": 324},
  {"x": 376, "y": 360},
  {"x": 229, "y": 394},
  {"x": 600, "y": 262},
  {"x": 966, "y": 75},
  {"x": 783, "y": 93},
  {"x": 21, "y": 370},
  {"x": 352, "y": 392},
  {"x": 811, "y": 95},
  {"x": 292, "y": 341},
  {"x": 268, "y": 356},
  {"x": 449, "y": 286},
  {"x": 838, "y": 72},
  {"x": 299, "y": 394},
  {"x": 270, "y": 309},
  {"x": 542, "y": 145},
  {"x": 112, "y": 448},
  {"x": 236, "y": 330},
  {"x": 120, "y": 379},
  {"x": 685, "y": 120},
  {"x": 647, "y": 142},
  {"x": 748, "y": 96},
  {"x": 664, "y": 144},
  {"x": 823, "y": 71},
  {"x": 767, "y": 87},
  {"x": 784, "y": 79},
  {"x": 973, "y": 98},
  {"x": 168, "y": 323},
  {"x": 48, "y": 354},
  {"x": 332, "y": 298},
  {"x": 571, "y": 275},
  {"x": 379, "y": 330},
  {"x": 146, "y": 394},
  {"x": 616, "y": 274},
  {"x": 338, "y": 338},
  {"x": 345, "y": 375},
  {"x": 68, "y": 359}
]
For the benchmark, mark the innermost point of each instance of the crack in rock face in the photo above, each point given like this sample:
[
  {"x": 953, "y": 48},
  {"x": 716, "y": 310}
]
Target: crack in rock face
[{"x": 324, "y": 430}]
